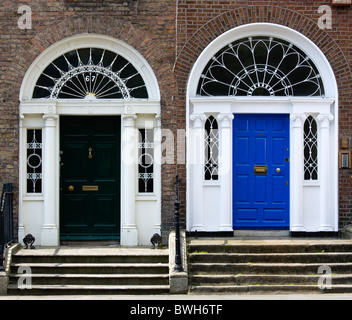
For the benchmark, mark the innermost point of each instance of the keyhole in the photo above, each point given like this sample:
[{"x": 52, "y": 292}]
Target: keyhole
[{"x": 90, "y": 153}]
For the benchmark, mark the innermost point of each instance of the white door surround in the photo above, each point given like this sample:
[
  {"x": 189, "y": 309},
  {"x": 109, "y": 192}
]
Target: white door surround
[
  {"x": 313, "y": 204},
  {"x": 39, "y": 212}
]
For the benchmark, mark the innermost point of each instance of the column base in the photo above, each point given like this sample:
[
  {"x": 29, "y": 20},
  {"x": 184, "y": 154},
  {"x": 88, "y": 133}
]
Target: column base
[
  {"x": 325, "y": 228},
  {"x": 129, "y": 236},
  {"x": 21, "y": 234},
  {"x": 297, "y": 228},
  {"x": 197, "y": 228},
  {"x": 49, "y": 236},
  {"x": 226, "y": 228}
]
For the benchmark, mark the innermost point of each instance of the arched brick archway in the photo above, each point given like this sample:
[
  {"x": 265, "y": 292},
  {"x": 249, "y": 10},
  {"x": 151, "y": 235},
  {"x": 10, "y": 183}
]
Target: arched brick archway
[{"x": 198, "y": 41}]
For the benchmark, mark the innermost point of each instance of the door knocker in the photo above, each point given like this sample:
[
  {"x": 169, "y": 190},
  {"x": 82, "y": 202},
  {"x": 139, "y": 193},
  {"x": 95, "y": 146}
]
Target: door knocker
[{"x": 90, "y": 153}]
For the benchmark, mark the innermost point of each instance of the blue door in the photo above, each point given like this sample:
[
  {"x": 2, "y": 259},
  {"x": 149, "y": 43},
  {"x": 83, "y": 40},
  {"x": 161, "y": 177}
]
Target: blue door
[{"x": 261, "y": 171}]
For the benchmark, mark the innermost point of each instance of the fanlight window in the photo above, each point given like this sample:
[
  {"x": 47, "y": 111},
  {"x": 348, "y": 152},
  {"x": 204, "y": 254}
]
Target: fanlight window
[
  {"x": 260, "y": 66},
  {"x": 90, "y": 73}
]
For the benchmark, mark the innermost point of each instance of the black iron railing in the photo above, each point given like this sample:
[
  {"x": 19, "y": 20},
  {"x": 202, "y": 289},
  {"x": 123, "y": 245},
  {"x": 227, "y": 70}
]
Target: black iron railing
[
  {"x": 178, "y": 258},
  {"x": 6, "y": 220}
]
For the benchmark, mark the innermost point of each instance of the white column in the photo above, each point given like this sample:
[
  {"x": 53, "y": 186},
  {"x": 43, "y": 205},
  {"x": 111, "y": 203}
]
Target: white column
[
  {"x": 197, "y": 171},
  {"x": 324, "y": 172},
  {"x": 225, "y": 156},
  {"x": 49, "y": 234},
  {"x": 157, "y": 172},
  {"x": 22, "y": 174},
  {"x": 297, "y": 173},
  {"x": 129, "y": 231}
]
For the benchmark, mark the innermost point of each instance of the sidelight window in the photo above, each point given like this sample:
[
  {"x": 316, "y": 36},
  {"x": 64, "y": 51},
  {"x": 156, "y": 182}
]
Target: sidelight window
[
  {"x": 211, "y": 151},
  {"x": 146, "y": 161},
  {"x": 34, "y": 161},
  {"x": 310, "y": 149}
]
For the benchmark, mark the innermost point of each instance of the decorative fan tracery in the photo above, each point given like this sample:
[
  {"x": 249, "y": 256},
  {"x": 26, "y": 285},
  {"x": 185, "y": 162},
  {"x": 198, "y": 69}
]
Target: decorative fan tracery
[
  {"x": 90, "y": 73},
  {"x": 260, "y": 66}
]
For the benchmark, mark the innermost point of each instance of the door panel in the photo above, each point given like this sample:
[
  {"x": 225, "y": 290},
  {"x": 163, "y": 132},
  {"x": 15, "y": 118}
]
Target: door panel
[
  {"x": 90, "y": 178},
  {"x": 261, "y": 171}
]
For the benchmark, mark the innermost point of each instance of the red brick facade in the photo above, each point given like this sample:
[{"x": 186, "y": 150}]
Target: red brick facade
[{"x": 170, "y": 35}]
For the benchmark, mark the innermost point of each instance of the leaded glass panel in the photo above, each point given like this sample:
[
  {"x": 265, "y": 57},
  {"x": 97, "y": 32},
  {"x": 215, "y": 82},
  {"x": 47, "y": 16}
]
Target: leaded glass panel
[
  {"x": 211, "y": 149},
  {"x": 146, "y": 161},
  {"x": 34, "y": 161},
  {"x": 310, "y": 149},
  {"x": 90, "y": 73},
  {"x": 260, "y": 66}
]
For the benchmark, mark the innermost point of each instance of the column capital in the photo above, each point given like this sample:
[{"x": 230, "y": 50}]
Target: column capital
[
  {"x": 325, "y": 119},
  {"x": 225, "y": 119},
  {"x": 158, "y": 121},
  {"x": 50, "y": 119},
  {"x": 129, "y": 120},
  {"x": 21, "y": 119},
  {"x": 298, "y": 119},
  {"x": 198, "y": 119}
]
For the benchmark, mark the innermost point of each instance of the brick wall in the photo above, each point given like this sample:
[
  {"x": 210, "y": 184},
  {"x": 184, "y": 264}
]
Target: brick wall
[{"x": 170, "y": 34}]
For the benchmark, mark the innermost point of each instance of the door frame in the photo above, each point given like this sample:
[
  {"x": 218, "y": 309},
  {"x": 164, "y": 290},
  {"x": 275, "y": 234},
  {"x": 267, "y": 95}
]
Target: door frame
[
  {"x": 200, "y": 213},
  {"x": 39, "y": 213}
]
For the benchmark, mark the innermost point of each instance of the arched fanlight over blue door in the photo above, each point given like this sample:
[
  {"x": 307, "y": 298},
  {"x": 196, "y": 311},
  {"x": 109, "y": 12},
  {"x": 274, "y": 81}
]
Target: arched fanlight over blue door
[
  {"x": 90, "y": 73},
  {"x": 260, "y": 66}
]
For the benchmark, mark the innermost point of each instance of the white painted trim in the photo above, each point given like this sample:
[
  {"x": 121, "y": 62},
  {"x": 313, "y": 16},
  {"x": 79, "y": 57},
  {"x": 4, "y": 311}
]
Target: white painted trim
[
  {"x": 286, "y": 105},
  {"x": 32, "y": 111}
]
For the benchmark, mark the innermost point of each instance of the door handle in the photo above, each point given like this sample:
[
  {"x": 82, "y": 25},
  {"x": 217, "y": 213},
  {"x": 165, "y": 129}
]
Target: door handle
[
  {"x": 71, "y": 188},
  {"x": 90, "y": 153},
  {"x": 278, "y": 170}
]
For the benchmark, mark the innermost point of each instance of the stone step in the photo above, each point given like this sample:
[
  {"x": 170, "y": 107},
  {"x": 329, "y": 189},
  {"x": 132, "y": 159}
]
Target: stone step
[
  {"x": 266, "y": 279},
  {"x": 323, "y": 258},
  {"x": 88, "y": 289},
  {"x": 270, "y": 247},
  {"x": 94, "y": 279},
  {"x": 90, "y": 259},
  {"x": 269, "y": 289},
  {"x": 65, "y": 271},
  {"x": 222, "y": 266},
  {"x": 266, "y": 268},
  {"x": 91, "y": 268}
]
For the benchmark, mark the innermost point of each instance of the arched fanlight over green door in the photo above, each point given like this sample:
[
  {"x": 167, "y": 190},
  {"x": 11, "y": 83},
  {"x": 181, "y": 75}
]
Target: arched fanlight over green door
[{"x": 90, "y": 73}]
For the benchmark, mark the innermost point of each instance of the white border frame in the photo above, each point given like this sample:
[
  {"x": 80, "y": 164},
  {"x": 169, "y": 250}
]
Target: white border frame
[
  {"x": 46, "y": 112},
  {"x": 288, "y": 105}
]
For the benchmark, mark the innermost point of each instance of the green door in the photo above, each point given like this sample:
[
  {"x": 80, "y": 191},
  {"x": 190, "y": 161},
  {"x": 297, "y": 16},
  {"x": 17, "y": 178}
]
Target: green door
[{"x": 90, "y": 177}]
